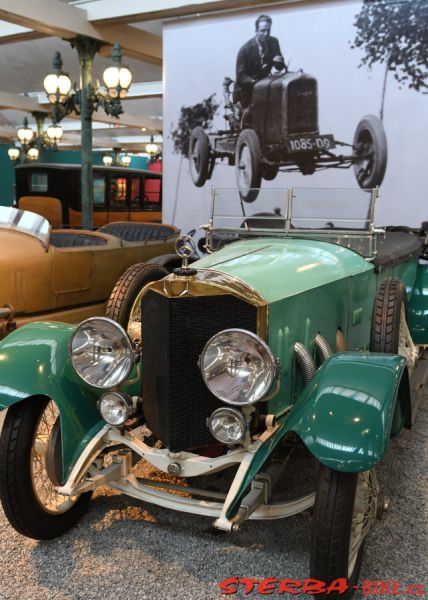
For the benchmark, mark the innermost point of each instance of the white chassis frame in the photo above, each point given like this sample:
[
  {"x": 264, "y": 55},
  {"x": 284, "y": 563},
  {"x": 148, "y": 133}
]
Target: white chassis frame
[{"x": 89, "y": 473}]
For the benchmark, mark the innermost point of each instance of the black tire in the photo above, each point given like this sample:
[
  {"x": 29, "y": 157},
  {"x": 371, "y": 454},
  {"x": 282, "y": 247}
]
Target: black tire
[
  {"x": 270, "y": 172},
  {"x": 370, "y": 149},
  {"x": 390, "y": 334},
  {"x": 123, "y": 305},
  {"x": 199, "y": 156},
  {"x": 337, "y": 539},
  {"x": 385, "y": 328},
  {"x": 20, "y": 472},
  {"x": 248, "y": 165}
]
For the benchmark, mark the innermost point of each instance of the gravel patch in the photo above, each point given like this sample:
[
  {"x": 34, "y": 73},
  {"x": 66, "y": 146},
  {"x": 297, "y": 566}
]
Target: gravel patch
[{"x": 129, "y": 550}]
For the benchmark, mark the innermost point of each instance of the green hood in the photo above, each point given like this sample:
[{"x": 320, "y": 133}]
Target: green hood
[{"x": 279, "y": 268}]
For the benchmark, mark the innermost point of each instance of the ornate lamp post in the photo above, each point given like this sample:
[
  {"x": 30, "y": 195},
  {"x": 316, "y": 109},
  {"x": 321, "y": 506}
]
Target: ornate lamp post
[
  {"x": 115, "y": 160},
  {"x": 33, "y": 143},
  {"x": 151, "y": 148},
  {"x": 85, "y": 101}
]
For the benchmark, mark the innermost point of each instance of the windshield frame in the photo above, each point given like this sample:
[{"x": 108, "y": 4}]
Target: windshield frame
[
  {"x": 25, "y": 222},
  {"x": 362, "y": 241}
]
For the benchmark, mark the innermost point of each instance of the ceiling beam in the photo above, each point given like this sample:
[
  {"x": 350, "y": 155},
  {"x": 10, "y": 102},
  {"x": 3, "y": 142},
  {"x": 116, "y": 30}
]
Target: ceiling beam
[
  {"x": 21, "y": 102},
  {"x": 21, "y": 37},
  {"x": 125, "y": 119},
  {"x": 11, "y": 33},
  {"x": 134, "y": 42},
  {"x": 55, "y": 18},
  {"x": 48, "y": 16},
  {"x": 134, "y": 11}
]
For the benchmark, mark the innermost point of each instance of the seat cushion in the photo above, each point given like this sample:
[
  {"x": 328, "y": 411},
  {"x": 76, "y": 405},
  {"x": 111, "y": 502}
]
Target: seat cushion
[
  {"x": 138, "y": 232},
  {"x": 71, "y": 240}
]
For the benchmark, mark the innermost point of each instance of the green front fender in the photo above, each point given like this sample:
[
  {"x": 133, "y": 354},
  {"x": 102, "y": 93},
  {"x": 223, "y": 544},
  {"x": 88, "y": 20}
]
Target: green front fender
[
  {"x": 35, "y": 360},
  {"x": 343, "y": 416}
]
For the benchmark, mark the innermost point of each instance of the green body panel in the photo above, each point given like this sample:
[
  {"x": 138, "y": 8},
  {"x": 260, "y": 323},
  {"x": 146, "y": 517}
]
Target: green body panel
[
  {"x": 34, "y": 360},
  {"x": 279, "y": 268},
  {"x": 418, "y": 307},
  {"x": 344, "y": 416},
  {"x": 311, "y": 287},
  {"x": 321, "y": 310}
]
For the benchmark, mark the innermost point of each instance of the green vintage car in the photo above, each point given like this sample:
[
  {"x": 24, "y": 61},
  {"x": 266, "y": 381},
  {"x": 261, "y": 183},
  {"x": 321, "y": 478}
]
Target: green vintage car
[{"x": 303, "y": 333}]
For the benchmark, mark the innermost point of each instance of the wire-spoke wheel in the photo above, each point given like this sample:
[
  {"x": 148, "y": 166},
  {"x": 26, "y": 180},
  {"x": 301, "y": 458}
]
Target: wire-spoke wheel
[
  {"x": 364, "y": 514},
  {"x": 46, "y": 462},
  {"x": 344, "y": 511},
  {"x": 31, "y": 471},
  {"x": 406, "y": 347}
]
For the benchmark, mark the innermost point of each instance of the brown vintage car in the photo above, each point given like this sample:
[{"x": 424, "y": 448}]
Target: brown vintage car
[{"x": 68, "y": 274}]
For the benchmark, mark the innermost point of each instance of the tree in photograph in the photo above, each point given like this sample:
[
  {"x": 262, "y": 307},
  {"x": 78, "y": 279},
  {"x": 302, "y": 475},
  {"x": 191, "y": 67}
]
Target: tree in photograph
[
  {"x": 395, "y": 33},
  {"x": 190, "y": 117},
  {"x": 201, "y": 114}
]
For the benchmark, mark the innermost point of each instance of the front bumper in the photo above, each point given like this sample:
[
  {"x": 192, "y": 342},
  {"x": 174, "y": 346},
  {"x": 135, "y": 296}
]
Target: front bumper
[{"x": 229, "y": 509}]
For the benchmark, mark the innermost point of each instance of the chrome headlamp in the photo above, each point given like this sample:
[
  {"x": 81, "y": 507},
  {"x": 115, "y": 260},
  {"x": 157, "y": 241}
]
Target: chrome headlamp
[
  {"x": 238, "y": 367},
  {"x": 115, "y": 407},
  {"x": 101, "y": 352},
  {"x": 227, "y": 425}
]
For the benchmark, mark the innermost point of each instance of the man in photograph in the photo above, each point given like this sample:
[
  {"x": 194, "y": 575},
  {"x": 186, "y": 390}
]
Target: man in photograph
[{"x": 256, "y": 59}]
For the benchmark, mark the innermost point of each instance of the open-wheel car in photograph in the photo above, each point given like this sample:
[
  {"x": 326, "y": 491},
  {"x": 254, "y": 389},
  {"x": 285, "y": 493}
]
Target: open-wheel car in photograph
[
  {"x": 303, "y": 335},
  {"x": 68, "y": 274},
  {"x": 279, "y": 131}
]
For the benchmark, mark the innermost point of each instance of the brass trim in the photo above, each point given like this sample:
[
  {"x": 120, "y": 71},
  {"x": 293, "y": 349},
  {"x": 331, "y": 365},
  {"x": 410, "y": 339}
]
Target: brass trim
[{"x": 208, "y": 282}]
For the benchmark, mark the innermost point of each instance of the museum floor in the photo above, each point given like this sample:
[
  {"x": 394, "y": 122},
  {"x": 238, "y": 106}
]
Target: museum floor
[{"x": 129, "y": 550}]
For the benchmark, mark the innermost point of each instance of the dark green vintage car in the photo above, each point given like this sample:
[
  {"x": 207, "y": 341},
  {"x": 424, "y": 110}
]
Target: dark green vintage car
[{"x": 303, "y": 333}]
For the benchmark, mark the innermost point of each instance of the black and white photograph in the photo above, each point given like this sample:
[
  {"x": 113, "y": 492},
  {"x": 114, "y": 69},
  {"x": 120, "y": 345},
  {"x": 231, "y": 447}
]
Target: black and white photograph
[{"x": 330, "y": 95}]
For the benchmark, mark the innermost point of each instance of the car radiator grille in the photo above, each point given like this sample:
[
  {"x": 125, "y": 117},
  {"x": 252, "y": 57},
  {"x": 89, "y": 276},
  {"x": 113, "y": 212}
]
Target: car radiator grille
[
  {"x": 302, "y": 107},
  {"x": 176, "y": 401}
]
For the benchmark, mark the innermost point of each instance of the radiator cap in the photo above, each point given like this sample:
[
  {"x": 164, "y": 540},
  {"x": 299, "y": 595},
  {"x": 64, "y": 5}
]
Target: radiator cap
[{"x": 185, "y": 247}]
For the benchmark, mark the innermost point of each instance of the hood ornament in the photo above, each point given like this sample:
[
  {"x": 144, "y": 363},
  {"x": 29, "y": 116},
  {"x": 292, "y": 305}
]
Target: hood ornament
[{"x": 185, "y": 247}]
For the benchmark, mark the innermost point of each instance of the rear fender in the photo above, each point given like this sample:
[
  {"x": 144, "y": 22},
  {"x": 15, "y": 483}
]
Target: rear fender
[
  {"x": 344, "y": 416},
  {"x": 35, "y": 361}
]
